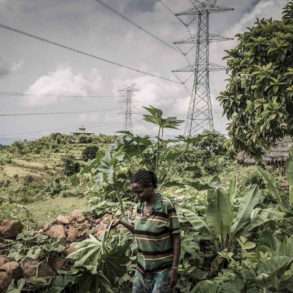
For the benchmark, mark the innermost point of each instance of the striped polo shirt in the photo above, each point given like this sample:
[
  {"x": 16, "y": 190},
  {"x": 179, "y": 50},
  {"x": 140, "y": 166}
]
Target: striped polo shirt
[{"x": 153, "y": 235}]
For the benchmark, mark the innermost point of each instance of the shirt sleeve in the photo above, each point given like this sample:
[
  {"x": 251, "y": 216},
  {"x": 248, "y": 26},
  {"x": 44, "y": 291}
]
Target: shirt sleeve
[{"x": 174, "y": 224}]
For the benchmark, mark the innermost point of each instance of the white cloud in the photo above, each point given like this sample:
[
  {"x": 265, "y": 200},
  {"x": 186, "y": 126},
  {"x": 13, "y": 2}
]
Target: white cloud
[
  {"x": 264, "y": 9},
  {"x": 161, "y": 94},
  {"x": 63, "y": 82}
]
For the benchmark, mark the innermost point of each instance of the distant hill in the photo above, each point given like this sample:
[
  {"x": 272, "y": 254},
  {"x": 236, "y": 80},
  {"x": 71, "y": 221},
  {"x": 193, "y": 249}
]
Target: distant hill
[{"x": 32, "y": 169}]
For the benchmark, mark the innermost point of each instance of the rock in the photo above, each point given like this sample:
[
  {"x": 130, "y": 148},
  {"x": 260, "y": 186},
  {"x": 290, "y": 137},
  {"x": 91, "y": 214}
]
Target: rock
[
  {"x": 34, "y": 268},
  {"x": 72, "y": 234},
  {"x": 78, "y": 216},
  {"x": 58, "y": 263},
  {"x": 13, "y": 269},
  {"x": 56, "y": 231},
  {"x": 5, "y": 280},
  {"x": 10, "y": 229},
  {"x": 71, "y": 248},
  {"x": 65, "y": 220},
  {"x": 101, "y": 229},
  {"x": 98, "y": 221},
  {"x": 3, "y": 260},
  {"x": 83, "y": 228}
]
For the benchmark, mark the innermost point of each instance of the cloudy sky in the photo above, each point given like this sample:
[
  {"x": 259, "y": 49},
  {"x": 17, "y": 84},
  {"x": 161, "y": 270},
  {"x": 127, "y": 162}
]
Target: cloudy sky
[{"x": 47, "y": 73}]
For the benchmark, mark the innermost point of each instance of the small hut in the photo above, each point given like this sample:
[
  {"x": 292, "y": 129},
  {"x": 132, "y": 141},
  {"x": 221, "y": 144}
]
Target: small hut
[
  {"x": 82, "y": 131},
  {"x": 277, "y": 156}
]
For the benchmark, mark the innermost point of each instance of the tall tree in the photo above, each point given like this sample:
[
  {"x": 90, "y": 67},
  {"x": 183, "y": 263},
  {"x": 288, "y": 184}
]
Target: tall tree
[{"x": 258, "y": 99}]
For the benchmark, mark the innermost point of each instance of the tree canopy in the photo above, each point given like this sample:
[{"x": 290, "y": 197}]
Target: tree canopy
[{"x": 258, "y": 99}]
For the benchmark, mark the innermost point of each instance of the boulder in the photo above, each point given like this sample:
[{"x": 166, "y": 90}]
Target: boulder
[
  {"x": 10, "y": 229},
  {"x": 13, "y": 269},
  {"x": 33, "y": 268},
  {"x": 58, "y": 263},
  {"x": 5, "y": 280},
  {"x": 3, "y": 260},
  {"x": 56, "y": 231},
  {"x": 71, "y": 248},
  {"x": 101, "y": 229},
  {"x": 77, "y": 215},
  {"x": 72, "y": 234},
  {"x": 65, "y": 220}
]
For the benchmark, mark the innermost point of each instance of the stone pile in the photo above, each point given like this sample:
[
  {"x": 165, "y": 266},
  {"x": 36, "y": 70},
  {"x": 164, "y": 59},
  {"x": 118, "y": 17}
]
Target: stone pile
[{"x": 69, "y": 229}]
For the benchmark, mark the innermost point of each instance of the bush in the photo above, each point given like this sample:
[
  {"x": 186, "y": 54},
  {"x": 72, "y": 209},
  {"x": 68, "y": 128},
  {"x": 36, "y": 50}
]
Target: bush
[
  {"x": 70, "y": 166},
  {"x": 28, "y": 179},
  {"x": 89, "y": 153},
  {"x": 85, "y": 139}
]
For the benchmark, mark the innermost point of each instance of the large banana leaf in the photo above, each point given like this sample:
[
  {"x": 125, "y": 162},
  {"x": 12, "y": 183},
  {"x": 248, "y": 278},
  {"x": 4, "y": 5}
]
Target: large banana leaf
[
  {"x": 219, "y": 213},
  {"x": 195, "y": 220},
  {"x": 232, "y": 189},
  {"x": 248, "y": 203}
]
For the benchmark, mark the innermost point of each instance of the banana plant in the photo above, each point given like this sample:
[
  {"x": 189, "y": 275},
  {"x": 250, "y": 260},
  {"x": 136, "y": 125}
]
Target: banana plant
[
  {"x": 273, "y": 269},
  {"x": 226, "y": 220}
]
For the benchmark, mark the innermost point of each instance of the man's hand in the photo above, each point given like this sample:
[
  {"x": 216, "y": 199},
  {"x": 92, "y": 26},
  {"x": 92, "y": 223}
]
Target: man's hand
[
  {"x": 173, "y": 277},
  {"x": 115, "y": 223}
]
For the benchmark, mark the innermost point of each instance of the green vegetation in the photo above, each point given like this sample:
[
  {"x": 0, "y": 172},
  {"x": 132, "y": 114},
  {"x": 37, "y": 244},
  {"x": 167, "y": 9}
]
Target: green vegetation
[
  {"x": 236, "y": 221},
  {"x": 258, "y": 100}
]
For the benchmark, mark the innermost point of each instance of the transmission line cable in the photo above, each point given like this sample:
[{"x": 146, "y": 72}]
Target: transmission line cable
[
  {"x": 20, "y": 94},
  {"x": 77, "y": 51},
  {"x": 45, "y": 113},
  {"x": 136, "y": 25},
  {"x": 167, "y": 7}
]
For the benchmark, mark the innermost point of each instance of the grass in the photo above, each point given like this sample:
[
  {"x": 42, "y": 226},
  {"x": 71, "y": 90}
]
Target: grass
[{"x": 45, "y": 211}]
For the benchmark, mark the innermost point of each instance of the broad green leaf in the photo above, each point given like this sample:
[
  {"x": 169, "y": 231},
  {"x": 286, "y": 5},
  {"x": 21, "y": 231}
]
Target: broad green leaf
[
  {"x": 219, "y": 213},
  {"x": 248, "y": 203}
]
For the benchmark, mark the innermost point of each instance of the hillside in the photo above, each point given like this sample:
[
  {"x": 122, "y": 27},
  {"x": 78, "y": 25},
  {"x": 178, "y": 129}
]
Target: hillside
[
  {"x": 33, "y": 173},
  {"x": 59, "y": 204}
]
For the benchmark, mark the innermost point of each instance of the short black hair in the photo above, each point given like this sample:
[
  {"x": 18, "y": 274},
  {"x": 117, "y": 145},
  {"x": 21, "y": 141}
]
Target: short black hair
[{"x": 145, "y": 178}]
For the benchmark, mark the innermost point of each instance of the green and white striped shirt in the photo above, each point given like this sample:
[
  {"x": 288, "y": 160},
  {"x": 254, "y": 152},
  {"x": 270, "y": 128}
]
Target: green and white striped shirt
[{"x": 153, "y": 234}]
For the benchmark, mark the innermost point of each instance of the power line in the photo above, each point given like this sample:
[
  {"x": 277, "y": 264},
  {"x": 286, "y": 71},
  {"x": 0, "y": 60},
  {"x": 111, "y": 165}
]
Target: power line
[
  {"x": 77, "y": 51},
  {"x": 136, "y": 25},
  {"x": 171, "y": 11},
  {"x": 167, "y": 7},
  {"x": 19, "y": 94},
  {"x": 45, "y": 113}
]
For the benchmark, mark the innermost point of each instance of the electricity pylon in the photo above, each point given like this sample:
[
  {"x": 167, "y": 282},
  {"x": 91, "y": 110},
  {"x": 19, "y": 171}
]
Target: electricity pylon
[
  {"x": 200, "y": 112},
  {"x": 128, "y": 94}
]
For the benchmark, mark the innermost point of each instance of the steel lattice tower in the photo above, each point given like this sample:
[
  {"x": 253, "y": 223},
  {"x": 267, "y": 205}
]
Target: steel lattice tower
[
  {"x": 200, "y": 112},
  {"x": 128, "y": 94}
]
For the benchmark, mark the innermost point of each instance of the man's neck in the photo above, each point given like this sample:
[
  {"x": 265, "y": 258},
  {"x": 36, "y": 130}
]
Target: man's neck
[{"x": 151, "y": 200}]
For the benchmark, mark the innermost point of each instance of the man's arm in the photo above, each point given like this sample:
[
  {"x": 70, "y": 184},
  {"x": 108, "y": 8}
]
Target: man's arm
[
  {"x": 126, "y": 225},
  {"x": 176, "y": 257},
  {"x": 176, "y": 250}
]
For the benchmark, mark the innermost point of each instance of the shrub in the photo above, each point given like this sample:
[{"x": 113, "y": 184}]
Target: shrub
[
  {"x": 90, "y": 152},
  {"x": 70, "y": 166},
  {"x": 85, "y": 139}
]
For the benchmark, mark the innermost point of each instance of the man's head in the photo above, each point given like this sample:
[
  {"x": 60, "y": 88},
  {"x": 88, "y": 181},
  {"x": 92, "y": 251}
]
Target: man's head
[{"x": 143, "y": 184}]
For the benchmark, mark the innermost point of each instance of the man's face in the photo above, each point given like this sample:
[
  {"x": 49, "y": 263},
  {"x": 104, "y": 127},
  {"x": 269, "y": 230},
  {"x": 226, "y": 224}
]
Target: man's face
[{"x": 142, "y": 193}]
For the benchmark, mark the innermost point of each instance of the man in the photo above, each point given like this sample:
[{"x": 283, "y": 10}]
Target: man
[{"x": 157, "y": 234}]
